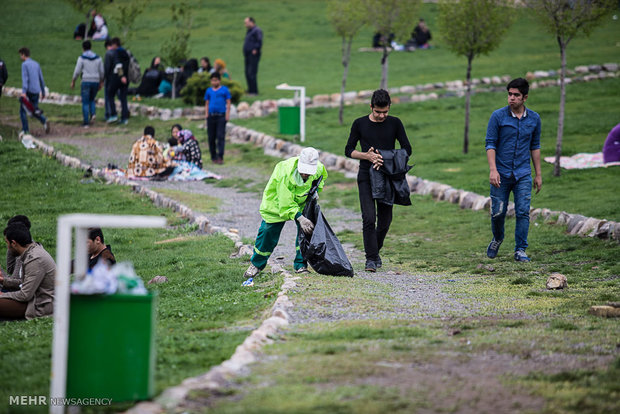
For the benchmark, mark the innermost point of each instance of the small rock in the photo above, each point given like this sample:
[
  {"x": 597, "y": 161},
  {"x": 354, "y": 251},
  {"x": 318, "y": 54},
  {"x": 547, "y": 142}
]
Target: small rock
[
  {"x": 556, "y": 281},
  {"x": 158, "y": 279},
  {"x": 605, "y": 311}
]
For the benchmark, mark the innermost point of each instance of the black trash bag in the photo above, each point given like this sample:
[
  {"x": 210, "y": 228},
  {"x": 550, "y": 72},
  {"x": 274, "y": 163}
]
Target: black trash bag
[{"x": 322, "y": 249}]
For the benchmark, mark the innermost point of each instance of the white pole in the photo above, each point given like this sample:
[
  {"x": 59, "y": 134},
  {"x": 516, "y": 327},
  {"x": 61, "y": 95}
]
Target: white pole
[
  {"x": 81, "y": 235},
  {"x": 302, "y": 115},
  {"x": 61, "y": 314},
  {"x": 81, "y": 222}
]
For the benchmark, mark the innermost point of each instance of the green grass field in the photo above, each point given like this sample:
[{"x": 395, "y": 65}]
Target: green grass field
[
  {"x": 435, "y": 129},
  {"x": 300, "y": 47},
  {"x": 202, "y": 313}
]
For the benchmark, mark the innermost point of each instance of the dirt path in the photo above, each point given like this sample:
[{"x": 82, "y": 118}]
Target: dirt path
[{"x": 450, "y": 379}]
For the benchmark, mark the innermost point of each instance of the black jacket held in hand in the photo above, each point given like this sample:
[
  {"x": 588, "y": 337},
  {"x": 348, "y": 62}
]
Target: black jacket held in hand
[
  {"x": 389, "y": 183},
  {"x": 322, "y": 249}
]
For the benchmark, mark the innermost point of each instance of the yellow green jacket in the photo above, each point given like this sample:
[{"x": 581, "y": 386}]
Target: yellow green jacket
[{"x": 283, "y": 198}]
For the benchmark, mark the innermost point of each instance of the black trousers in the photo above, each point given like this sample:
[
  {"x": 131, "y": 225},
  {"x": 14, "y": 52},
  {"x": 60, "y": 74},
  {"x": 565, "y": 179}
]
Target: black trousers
[
  {"x": 251, "y": 71},
  {"x": 376, "y": 218}
]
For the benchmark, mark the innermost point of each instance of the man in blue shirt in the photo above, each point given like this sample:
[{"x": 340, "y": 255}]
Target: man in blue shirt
[
  {"x": 513, "y": 136},
  {"x": 33, "y": 85},
  {"x": 217, "y": 113}
]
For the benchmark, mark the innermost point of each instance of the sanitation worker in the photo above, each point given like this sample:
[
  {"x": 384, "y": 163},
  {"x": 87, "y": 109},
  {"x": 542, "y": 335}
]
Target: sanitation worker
[{"x": 284, "y": 199}]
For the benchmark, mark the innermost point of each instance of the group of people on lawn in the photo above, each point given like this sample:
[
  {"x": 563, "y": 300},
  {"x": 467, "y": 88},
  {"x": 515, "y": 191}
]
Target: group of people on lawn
[
  {"x": 27, "y": 285},
  {"x": 512, "y": 140}
]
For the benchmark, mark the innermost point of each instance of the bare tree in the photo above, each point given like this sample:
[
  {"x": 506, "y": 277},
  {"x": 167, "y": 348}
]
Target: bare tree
[
  {"x": 176, "y": 49},
  {"x": 391, "y": 17},
  {"x": 566, "y": 19},
  {"x": 85, "y": 6},
  {"x": 471, "y": 28},
  {"x": 128, "y": 12},
  {"x": 347, "y": 17}
]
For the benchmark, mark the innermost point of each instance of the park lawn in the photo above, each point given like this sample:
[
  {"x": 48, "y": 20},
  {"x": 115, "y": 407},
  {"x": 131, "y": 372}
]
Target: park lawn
[
  {"x": 435, "y": 129},
  {"x": 300, "y": 47},
  {"x": 202, "y": 315}
]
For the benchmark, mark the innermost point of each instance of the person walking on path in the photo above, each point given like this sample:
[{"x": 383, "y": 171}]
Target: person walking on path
[
  {"x": 4, "y": 75},
  {"x": 90, "y": 66},
  {"x": 513, "y": 137},
  {"x": 217, "y": 113},
  {"x": 284, "y": 199},
  {"x": 377, "y": 131},
  {"x": 33, "y": 86},
  {"x": 116, "y": 70},
  {"x": 251, "y": 51}
]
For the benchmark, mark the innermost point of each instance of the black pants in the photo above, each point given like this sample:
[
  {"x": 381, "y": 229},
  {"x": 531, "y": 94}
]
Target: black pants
[
  {"x": 251, "y": 71},
  {"x": 116, "y": 88},
  {"x": 216, "y": 131},
  {"x": 376, "y": 218}
]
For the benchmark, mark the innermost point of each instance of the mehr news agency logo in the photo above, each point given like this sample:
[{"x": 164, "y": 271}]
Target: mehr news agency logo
[{"x": 27, "y": 400}]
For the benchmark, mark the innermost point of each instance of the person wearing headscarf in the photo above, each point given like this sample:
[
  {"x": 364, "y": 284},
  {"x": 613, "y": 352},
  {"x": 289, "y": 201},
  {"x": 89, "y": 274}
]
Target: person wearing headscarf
[{"x": 191, "y": 149}]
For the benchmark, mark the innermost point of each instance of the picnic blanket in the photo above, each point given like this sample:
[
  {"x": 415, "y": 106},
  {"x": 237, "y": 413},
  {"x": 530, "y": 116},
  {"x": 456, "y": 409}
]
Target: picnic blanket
[
  {"x": 581, "y": 161},
  {"x": 186, "y": 171}
]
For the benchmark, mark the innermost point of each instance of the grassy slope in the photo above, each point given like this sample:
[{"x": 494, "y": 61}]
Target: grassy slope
[
  {"x": 300, "y": 46},
  {"x": 202, "y": 313},
  {"x": 435, "y": 129}
]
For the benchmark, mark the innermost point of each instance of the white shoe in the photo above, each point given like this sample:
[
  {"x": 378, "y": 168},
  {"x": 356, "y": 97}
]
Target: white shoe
[{"x": 252, "y": 272}]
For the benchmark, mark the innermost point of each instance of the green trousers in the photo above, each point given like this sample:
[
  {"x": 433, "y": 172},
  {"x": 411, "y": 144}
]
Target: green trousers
[{"x": 267, "y": 240}]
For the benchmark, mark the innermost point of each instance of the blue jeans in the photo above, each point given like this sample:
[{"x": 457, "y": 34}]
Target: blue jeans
[
  {"x": 23, "y": 115},
  {"x": 88, "y": 92},
  {"x": 216, "y": 131},
  {"x": 522, "y": 191}
]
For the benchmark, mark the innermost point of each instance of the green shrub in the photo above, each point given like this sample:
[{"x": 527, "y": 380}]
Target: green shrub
[{"x": 194, "y": 92}]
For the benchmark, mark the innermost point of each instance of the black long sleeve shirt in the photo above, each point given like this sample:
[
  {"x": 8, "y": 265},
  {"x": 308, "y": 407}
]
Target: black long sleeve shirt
[{"x": 379, "y": 135}]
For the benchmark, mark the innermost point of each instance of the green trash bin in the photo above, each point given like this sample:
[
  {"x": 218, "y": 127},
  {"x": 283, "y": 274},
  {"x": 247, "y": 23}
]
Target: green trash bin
[
  {"x": 112, "y": 347},
  {"x": 289, "y": 119}
]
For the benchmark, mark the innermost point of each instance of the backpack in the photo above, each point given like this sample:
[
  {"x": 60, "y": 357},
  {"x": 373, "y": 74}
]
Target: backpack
[{"x": 134, "y": 74}]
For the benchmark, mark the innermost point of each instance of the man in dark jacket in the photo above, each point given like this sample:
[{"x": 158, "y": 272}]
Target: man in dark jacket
[
  {"x": 251, "y": 51},
  {"x": 116, "y": 69},
  {"x": 377, "y": 131}
]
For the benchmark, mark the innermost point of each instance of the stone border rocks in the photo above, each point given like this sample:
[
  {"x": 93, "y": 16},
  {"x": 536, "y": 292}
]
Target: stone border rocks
[
  {"x": 219, "y": 376},
  {"x": 407, "y": 93},
  {"x": 575, "y": 224}
]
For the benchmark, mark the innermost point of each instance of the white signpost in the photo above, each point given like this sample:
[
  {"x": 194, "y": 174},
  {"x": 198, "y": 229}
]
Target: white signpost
[
  {"x": 299, "y": 90},
  {"x": 81, "y": 223}
]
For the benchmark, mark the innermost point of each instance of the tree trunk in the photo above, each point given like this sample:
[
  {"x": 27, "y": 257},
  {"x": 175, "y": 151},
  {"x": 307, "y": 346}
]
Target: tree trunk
[
  {"x": 558, "y": 144},
  {"x": 384, "y": 68},
  {"x": 174, "y": 83},
  {"x": 346, "y": 57},
  {"x": 470, "y": 58},
  {"x": 87, "y": 28}
]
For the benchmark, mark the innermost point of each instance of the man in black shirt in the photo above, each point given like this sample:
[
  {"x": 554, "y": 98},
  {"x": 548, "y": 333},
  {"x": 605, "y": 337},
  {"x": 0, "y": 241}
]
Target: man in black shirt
[{"x": 377, "y": 131}]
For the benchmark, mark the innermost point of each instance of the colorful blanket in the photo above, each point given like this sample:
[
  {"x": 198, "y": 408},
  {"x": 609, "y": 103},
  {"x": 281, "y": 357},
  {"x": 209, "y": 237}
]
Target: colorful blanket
[
  {"x": 186, "y": 171},
  {"x": 581, "y": 161}
]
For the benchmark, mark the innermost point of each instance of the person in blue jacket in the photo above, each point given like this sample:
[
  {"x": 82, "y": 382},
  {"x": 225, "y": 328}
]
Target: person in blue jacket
[{"x": 513, "y": 137}]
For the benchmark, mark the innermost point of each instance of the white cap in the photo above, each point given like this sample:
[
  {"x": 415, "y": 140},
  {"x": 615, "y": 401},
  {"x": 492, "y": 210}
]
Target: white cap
[{"x": 308, "y": 161}]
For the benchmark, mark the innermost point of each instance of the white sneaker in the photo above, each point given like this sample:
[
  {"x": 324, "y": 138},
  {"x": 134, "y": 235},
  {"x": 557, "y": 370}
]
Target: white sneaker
[{"x": 252, "y": 272}]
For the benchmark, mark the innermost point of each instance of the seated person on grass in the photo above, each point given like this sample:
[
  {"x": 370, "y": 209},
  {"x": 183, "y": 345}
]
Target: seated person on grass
[
  {"x": 13, "y": 261},
  {"x": 191, "y": 149},
  {"x": 33, "y": 296},
  {"x": 147, "y": 158},
  {"x": 97, "y": 249}
]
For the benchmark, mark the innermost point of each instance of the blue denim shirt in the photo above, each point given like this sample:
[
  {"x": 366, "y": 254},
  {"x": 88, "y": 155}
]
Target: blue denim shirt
[
  {"x": 217, "y": 99},
  {"x": 32, "y": 78},
  {"x": 513, "y": 139}
]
